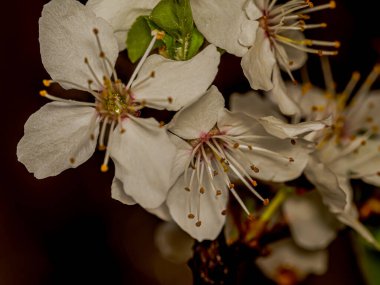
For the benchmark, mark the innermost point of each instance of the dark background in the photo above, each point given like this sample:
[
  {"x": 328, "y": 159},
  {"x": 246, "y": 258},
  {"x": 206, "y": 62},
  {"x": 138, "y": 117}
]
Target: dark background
[{"x": 67, "y": 229}]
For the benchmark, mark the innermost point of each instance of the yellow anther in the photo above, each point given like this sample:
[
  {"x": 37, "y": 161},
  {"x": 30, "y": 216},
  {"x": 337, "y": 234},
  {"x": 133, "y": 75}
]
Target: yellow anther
[
  {"x": 46, "y": 82},
  {"x": 104, "y": 168},
  {"x": 332, "y": 4},
  {"x": 43, "y": 93},
  {"x": 266, "y": 202},
  {"x": 158, "y": 34},
  {"x": 254, "y": 183},
  {"x": 323, "y": 25},
  {"x": 337, "y": 44},
  {"x": 356, "y": 75},
  {"x": 102, "y": 147}
]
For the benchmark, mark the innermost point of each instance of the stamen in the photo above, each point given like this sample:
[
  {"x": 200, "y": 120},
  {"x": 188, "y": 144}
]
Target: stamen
[
  {"x": 331, "y": 5},
  {"x": 327, "y": 75},
  {"x": 104, "y": 167},
  {"x": 44, "y": 93}
]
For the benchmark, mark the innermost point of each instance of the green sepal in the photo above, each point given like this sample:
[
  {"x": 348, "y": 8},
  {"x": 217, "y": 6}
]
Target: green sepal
[{"x": 196, "y": 42}]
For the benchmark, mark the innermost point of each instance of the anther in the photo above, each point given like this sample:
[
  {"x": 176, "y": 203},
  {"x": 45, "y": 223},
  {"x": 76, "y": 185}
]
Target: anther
[
  {"x": 266, "y": 202},
  {"x": 224, "y": 212},
  {"x": 255, "y": 169},
  {"x": 293, "y": 141},
  {"x": 190, "y": 216},
  {"x": 102, "y": 54},
  {"x": 231, "y": 186},
  {"x": 92, "y": 137},
  {"x": 162, "y": 124},
  {"x": 104, "y": 168},
  {"x": 153, "y": 74},
  {"x": 332, "y": 5},
  {"x": 236, "y": 145},
  {"x": 86, "y": 60},
  {"x": 46, "y": 82},
  {"x": 254, "y": 183},
  {"x": 96, "y": 31},
  {"x": 187, "y": 189},
  {"x": 377, "y": 68},
  {"x": 122, "y": 130},
  {"x": 72, "y": 160},
  {"x": 337, "y": 44},
  {"x": 378, "y": 173},
  {"x": 215, "y": 173},
  {"x": 363, "y": 142},
  {"x": 291, "y": 159},
  {"x": 158, "y": 34},
  {"x": 102, "y": 147},
  {"x": 198, "y": 224},
  {"x": 250, "y": 147},
  {"x": 251, "y": 217},
  {"x": 202, "y": 190},
  {"x": 43, "y": 93},
  {"x": 170, "y": 100},
  {"x": 218, "y": 193}
]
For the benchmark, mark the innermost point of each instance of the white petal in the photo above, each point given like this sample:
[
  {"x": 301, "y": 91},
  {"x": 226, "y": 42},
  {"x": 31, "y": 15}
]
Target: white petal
[
  {"x": 285, "y": 254},
  {"x": 283, "y": 130},
  {"x": 311, "y": 224},
  {"x": 350, "y": 218},
  {"x": 183, "y": 81},
  {"x": 67, "y": 38},
  {"x": 253, "y": 11},
  {"x": 248, "y": 33},
  {"x": 117, "y": 193},
  {"x": 277, "y": 159},
  {"x": 295, "y": 56},
  {"x": 173, "y": 243},
  {"x": 161, "y": 212},
  {"x": 279, "y": 95},
  {"x": 143, "y": 157},
  {"x": 184, "y": 150},
  {"x": 210, "y": 209},
  {"x": 326, "y": 182},
  {"x": 254, "y": 105},
  {"x": 55, "y": 134},
  {"x": 121, "y": 14},
  {"x": 258, "y": 63},
  {"x": 199, "y": 118},
  {"x": 220, "y": 21}
]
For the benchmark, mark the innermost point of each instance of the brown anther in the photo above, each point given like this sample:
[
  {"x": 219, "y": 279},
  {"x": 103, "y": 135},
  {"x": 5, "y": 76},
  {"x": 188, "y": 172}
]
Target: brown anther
[
  {"x": 72, "y": 160},
  {"x": 102, "y": 147},
  {"x": 170, "y": 100},
  {"x": 266, "y": 202},
  {"x": 187, "y": 189},
  {"x": 251, "y": 217},
  {"x": 190, "y": 216},
  {"x": 254, "y": 183},
  {"x": 236, "y": 145},
  {"x": 320, "y": 52},
  {"x": 314, "y": 108},
  {"x": 250, "y": 147},
  {"x": 293, "y": 141},
  {"x": 86, "y": 60},
  {"x": 102, "y": 54},
  {"x": 369, "y": 119},
  {"x": 231, "y": 186},
  {"x": 202, "y": 190},
  {"x": 162, "y": 124},
  {"x": 255, "y": 169},
  {"x": 153, "y": 74},
  {"x": 160, "y": 35},
  {"x": 198, "y": 224},
  {"x": 122, "y": 130},
  {"x": 291, "y": 159},
  {"x": 215, "y": 173},
  {"x": 96, "y": 31},
  {"x": 363, "y": 142},
  {"x": 224, "y": 212},
  {"x": 291, "y": 63},
  {"x": 92, "y": 137},
  {"x": 90, "y": 81},
  {"x": 218, "y": 192}
]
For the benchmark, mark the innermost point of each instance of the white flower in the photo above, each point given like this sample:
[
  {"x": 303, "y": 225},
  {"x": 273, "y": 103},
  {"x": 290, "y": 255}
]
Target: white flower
[
  {"x": 267, "y": 36},
  {"x": 79, "y": 51},
  {"x": 289, "y": 264},
  {"x": 214, "y": 146},
  {"x": 121, "y": 14},
  {"x": 335, "y": 160}
]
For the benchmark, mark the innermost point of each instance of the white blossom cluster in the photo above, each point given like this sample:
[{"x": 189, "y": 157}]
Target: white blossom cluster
[{"x": 186, "y": 170}]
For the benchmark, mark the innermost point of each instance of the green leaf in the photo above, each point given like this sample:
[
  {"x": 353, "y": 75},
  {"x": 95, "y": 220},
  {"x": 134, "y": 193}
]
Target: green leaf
[
  {"x": 368, "y": 259},
  {"x": 174, "y": 17},
  {"x": 139, "y": 37},
  {"x": 196, "y": 41}
]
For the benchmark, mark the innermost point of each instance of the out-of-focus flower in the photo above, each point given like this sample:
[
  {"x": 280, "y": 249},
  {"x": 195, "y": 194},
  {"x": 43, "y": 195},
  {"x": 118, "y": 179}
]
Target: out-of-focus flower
[
  {"x": 79, "y": 51},
  {"x": 214, "y": 144},
  {"x": 288, "y": 264},
  {"x": 121, "y": 14},
  {"x": 267, "y": 36}
]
